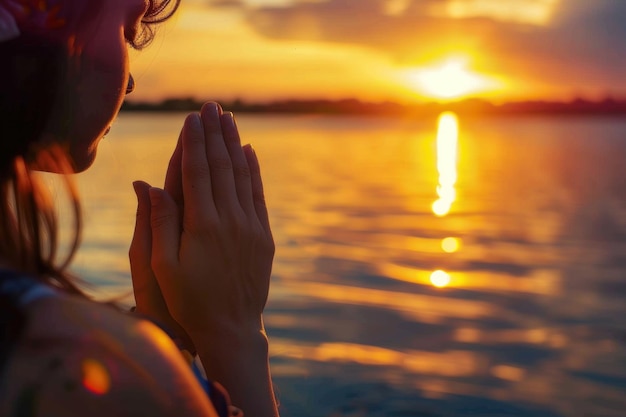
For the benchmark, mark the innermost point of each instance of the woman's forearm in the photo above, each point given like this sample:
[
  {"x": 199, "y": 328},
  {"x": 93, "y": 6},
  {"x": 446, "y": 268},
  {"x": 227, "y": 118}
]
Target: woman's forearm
[{"x": 240, "y": 362}]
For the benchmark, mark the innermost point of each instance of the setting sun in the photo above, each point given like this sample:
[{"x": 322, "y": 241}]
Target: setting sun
[{"x": 449, "y": 79}]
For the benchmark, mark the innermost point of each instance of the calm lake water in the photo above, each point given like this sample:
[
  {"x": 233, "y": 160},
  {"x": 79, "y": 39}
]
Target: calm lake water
[{"x": 530, "y": 319}]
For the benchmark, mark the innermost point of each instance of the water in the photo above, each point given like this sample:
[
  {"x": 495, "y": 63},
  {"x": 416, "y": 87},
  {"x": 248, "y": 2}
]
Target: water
[{"x": 532, "y": 321}]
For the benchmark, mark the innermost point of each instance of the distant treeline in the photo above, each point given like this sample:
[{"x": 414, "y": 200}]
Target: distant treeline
[{"x": 607, "y": 106}]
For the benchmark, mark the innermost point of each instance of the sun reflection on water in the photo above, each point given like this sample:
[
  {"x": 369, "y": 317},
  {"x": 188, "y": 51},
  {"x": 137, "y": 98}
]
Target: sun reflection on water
[
  {"x": 447, "y": 139},
  {"x": 440, "y": 279},
  {"x": 451, "y": 244},
  {"x": 447, "y": 143}
]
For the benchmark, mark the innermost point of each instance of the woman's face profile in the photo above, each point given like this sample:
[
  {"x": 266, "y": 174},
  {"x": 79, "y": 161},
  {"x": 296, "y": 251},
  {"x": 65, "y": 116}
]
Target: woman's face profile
[{"x": 98, "y": 77}]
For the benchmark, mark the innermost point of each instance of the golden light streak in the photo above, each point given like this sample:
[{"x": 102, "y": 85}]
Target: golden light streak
[
  {"x": 447, "y": 363},
  {"x": 447, "y": 140},
  {"x": 508, "y": 373},
  {"x": 440, "y": 279},
  {"x": 418, "y": 307}
]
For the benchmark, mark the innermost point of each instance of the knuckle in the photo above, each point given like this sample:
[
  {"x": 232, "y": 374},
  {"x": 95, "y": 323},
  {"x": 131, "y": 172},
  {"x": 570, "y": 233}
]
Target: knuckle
[
  {"x": 259, "y": 199},
  {"x": 242, "y": 172},
  {"x": 133, "y": 253},
  {"x": 162, "y": 220},
  {"x": 140, "y": 213},
  {"x": 200, "y": 227},
  {"x": 222, "y": 164},
  {"x": 255, "y": 170},
  {"x": 136, "y": 255},
  {"x": 236, "y": 223},
  {"x": 199, "y": 170}
]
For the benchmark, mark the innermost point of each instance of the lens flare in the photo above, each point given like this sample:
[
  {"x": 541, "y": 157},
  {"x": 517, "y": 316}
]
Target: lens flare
[{"x": 95, "y": 377}]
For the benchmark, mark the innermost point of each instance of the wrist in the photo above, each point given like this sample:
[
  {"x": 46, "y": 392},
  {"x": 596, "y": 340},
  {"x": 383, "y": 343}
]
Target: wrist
[
  {"x": 227, "y": 341},
  {"x": 230, "y": 350},
  {"x": 234, "y": 333},
  {"x": 237, "y": 357}
]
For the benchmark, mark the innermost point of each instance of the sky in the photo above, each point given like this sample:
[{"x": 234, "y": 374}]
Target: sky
[{"x": 376, "y": 50}]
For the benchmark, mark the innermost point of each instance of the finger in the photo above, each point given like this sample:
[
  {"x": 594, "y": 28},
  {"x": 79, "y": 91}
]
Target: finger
[
  {"x": 148, "y": 296},
  {"x": 165, "y": 228},
  {"x": 174, "y": 175},
  {"x": 196, "y": 177},
  {"x": 241, "y": 171},
  {"x": 145, "y": 287},
  {"x": 257, "y": 188},
  {"x": 222, "y": 179}
]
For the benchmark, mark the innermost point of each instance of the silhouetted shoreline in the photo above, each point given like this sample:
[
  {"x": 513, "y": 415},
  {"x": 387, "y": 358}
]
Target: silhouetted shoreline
[{"x": 608, "y": 106}]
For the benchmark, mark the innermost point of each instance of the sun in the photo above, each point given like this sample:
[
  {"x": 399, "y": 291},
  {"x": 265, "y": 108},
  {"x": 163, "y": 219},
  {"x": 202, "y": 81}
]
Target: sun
[{"x": 449, "y": 79}]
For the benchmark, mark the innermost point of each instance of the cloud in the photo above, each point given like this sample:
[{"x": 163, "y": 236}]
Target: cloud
[
  {"x": 363, "y": 22},
  {"x": 583, "y": 43}
]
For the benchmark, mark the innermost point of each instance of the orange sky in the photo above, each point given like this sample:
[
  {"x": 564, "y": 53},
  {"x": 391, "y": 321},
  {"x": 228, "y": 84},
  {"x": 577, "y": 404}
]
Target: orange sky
[{"x": 401, "y": 50}]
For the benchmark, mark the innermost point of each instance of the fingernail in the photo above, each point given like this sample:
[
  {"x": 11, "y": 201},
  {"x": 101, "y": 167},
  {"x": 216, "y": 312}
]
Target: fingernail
[
  {"x": 194, "y": 121},
  {"x": 137, "y": 188},
  {"x": 248, "y": 151},
  {"x": 140, "y": 186},
  {"x": 228, "y": 119},
  {"x": 214, "y": 109}
]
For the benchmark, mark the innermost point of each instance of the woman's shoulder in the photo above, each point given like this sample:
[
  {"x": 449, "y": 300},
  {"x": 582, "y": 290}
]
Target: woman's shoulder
[{"x": 75, "y": 356}]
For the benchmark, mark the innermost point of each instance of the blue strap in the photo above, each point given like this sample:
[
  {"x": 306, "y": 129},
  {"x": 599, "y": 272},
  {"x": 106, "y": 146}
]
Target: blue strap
[
  {"x": 23, "y": 289},
  {"x": 12, "y": 318}
]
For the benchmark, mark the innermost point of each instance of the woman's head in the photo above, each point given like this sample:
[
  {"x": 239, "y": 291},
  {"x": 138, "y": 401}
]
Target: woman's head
[
  {"x": 63, "y": 75},
  {"x": 64, "y": 78}
]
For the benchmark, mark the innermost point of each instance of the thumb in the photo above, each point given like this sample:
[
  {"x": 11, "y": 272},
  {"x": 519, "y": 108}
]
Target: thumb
[
  {"x": 165, "y": 225},
  {"x": 144, "y": 283},
  {"x": 148, "y": 297}
]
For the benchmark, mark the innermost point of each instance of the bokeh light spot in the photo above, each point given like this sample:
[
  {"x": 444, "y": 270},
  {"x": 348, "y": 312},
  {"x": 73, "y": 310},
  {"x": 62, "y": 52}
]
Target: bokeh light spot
[
  {"x": 95, "y": 377},
  {"x": 440, "y": 279},
  {"x": 451, "y": 244},
  {"x": 441, "y": 208}
]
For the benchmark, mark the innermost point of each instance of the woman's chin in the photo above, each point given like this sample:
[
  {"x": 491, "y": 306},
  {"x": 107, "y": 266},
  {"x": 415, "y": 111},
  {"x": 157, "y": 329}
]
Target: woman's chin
[{"x": 81, "y": 161}]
